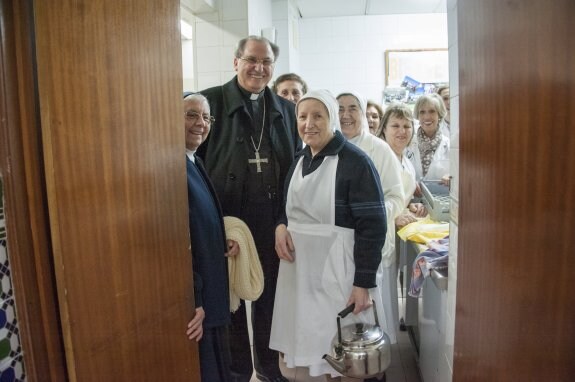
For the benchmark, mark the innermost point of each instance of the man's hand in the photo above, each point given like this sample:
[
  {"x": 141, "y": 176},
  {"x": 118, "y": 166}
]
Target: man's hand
[
  {"x": 233, "y": 248},
  {"x": 195, "y": 330}
]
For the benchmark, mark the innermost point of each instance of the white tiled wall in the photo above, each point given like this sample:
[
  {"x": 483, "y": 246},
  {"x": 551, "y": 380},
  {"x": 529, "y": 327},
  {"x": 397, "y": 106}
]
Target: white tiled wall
[
  {"x": 259, "y": 16},
  {"x": 215, "y": 37},
  {"x": 337, "y": 53},
  {"x": 347, "y": 53},
  {"x": 188, "y": 64},
  {"x": 286, "y": 22}
]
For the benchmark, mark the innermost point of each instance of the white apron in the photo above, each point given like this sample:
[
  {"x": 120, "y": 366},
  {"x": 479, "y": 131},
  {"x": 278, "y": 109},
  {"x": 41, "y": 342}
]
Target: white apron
[{"x": 316, "y": 286}]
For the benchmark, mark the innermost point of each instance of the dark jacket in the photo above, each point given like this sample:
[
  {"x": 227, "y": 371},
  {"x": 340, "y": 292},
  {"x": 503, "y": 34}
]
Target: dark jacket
[
  {"x": 208, "y": 240},
  {"x": 359, "y": 203},
  {"x": 226, "y": 150}
]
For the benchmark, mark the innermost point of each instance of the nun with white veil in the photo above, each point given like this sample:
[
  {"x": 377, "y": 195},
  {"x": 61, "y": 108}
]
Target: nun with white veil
[
  {"x": 329, "y": 239},
  {"x": 354, "y": 125}
]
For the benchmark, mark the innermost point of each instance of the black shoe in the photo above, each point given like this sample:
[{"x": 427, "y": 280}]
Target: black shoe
[
  {"x": 236, "y": 377},
  {"x": 402, "y": 326},
  {"x": 279, "y": 378}
]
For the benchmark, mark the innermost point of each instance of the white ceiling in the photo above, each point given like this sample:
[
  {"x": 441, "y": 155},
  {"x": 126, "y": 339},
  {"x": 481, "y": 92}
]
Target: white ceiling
[{"x": 335, "y": 8}]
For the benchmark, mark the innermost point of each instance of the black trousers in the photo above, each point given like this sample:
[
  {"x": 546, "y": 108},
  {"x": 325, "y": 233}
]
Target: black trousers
[
  {"x": 265, "y": 361},
  {"x": 215, "y": 355}
]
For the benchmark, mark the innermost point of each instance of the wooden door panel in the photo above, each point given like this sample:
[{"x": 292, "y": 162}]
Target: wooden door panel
[
  {"x": 31, "y": 267},
  {"x": 109, "y": 75},
  {"x": 515, "y": 310}
]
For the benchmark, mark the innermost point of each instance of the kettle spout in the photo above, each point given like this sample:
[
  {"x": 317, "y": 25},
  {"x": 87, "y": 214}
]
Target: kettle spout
[{"x": 336, "y": 363}]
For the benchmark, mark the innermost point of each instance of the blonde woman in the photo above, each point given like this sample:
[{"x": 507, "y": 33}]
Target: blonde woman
[
  {"x": 397, "y": 130},
  {"x": 429, "y": 150}
]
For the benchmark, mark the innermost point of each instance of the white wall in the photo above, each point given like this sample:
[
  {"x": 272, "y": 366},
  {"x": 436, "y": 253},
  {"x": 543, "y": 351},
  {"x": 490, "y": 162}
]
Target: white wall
[
  {"x": 336, "y": 53},
  {"x": 216, "y": 35},
  {"x": 259, "y": 16},
  {"x": 347, "y": 53},
  {"x": 286, "y": 22},
  {"x": 188, "y": 64}
]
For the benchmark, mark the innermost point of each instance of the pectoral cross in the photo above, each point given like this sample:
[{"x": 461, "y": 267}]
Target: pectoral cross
[{"x": 258, "y": 161}]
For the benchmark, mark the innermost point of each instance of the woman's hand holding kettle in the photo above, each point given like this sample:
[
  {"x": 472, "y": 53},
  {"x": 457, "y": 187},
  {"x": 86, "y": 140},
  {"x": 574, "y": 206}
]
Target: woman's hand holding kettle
[
  {"x": 284, "y": 244},
  {"x": 360, "y": 297}
]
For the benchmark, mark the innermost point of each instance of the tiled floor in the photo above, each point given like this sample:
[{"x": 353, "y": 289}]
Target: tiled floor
[{"x": 403, "y": 366}]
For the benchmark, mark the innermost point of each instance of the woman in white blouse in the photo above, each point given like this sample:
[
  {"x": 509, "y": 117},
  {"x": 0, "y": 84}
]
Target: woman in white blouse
[
  {"x": 397, "y": 130},
  {"x": 429, "y": 150}
]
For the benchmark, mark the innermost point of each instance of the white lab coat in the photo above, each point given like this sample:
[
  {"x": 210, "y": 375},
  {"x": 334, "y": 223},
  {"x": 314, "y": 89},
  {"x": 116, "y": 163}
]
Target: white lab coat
[
  {"x": 389, "y": 169},
  {"x": 408, "y": 177},
  {"x": 439, "y": 166}
]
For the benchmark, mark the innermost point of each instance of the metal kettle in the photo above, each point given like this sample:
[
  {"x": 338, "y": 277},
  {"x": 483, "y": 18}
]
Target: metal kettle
[{"x": 360, "y": 350}]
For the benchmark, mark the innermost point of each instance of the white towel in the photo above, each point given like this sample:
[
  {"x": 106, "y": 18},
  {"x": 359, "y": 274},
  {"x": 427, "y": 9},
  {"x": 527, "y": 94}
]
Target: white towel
[{"x": 244, "y": 270}]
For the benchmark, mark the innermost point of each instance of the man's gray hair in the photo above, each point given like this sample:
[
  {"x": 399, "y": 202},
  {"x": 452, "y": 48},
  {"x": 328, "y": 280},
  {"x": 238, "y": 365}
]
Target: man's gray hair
[
  {"x": 242, "y": 45},
  {"x": 197, "y": 97}
]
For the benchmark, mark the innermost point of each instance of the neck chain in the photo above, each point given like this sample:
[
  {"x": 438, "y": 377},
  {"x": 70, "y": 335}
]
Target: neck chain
[{"x": 257, "y": 149}]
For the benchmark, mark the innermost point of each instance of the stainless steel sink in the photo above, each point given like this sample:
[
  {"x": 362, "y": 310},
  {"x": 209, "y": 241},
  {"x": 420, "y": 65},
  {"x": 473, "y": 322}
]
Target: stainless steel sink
[{"x": 439, "y": 277}]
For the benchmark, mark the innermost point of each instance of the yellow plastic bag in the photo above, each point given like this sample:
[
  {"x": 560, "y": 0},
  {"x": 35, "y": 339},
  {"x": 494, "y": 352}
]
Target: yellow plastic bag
[{"x": 424, "y": 230}]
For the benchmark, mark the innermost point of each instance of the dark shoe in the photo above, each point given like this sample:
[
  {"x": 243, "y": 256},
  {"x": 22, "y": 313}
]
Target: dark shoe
[
  {"x": 279, "y": 378},
  {"x": 236, "y": 377},
  {"x": 402, "y": 326}
]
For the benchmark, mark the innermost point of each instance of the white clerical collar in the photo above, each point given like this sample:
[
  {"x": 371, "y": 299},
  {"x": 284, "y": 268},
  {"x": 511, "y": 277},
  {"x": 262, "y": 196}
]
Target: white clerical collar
[
  {"x": 254, "y": 96},
  {"x": 190, "y": 154}
]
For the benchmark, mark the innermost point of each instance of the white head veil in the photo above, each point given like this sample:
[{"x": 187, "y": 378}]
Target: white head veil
[
  {"x": 363, "y": 105},
  {"x": 325, "y": 97},
  {"x": 362, "y": 101}
]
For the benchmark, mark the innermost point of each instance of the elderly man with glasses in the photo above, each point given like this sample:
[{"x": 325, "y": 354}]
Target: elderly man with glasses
[
  {"x": 247, "y": 155},
  {"x": 209, "y": 325}
]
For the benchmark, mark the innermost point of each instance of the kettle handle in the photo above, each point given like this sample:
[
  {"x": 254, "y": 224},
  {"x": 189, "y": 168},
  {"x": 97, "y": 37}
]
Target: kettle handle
[
  {"x": 350, "y": 309},
  {"x": 341, "y": 315},
  {"x": 346, "y": 311}
]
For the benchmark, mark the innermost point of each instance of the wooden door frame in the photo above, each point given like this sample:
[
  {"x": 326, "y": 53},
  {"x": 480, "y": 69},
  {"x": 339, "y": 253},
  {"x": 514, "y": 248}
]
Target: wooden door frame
[{"x": 27, "y": 224}]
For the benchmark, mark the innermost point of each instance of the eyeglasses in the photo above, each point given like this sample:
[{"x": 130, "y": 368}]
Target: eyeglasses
[
  {"x": 193, "y": 116},
  {"x": 266, "y": 62}
]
